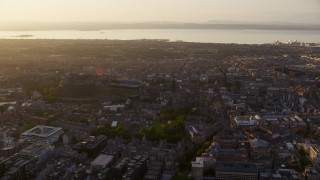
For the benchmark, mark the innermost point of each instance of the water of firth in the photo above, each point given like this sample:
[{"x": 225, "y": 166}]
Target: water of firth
[{"x": 188, "y": 35}]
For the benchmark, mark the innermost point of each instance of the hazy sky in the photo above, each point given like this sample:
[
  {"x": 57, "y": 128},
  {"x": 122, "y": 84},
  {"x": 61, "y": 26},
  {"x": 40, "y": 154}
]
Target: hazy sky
[{"x": 307, "y": 11}]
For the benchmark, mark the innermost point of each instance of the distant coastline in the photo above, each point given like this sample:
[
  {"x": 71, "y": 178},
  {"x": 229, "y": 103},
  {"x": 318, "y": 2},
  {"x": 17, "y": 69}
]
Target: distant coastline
[
  {"x": 154, "y": 25},
  {"x": 23, "y": 36},
  {"x": 186, "y": 35}
]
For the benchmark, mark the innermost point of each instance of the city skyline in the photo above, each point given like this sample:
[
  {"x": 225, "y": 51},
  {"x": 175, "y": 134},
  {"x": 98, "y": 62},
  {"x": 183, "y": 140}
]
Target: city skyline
[{"x": 149, "y": 89}]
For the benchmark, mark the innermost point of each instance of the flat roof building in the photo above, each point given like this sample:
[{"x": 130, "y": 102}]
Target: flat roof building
[
  {"x": 197, "y": 169},
  {"x": 246, "y": 120},
  {"x": 114, "y": 124},
  {"x": 101, "y": 162},
  {"x": 92, "y": 146},
  {"x": 229, "y": 170},
  {"x": 48, "y": 134}
]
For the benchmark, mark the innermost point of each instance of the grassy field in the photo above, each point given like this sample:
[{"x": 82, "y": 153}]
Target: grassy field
[{"x": 158, "y": 127}]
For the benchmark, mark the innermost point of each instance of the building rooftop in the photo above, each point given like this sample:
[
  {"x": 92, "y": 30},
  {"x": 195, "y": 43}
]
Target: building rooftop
[
  {"x": 41, "y": 131},
  {"x": 114, "y": 123},
  {"x": 92, "y": 143},
  {"x": 102, "y": 160},
  {"x": 237, "y": 167},
  {"x": 198, "y": 164},
  {"x": 36, "y": 149}
]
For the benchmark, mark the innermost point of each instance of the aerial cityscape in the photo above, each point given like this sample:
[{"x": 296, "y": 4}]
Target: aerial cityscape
[{"x": 152, "y": 100}]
